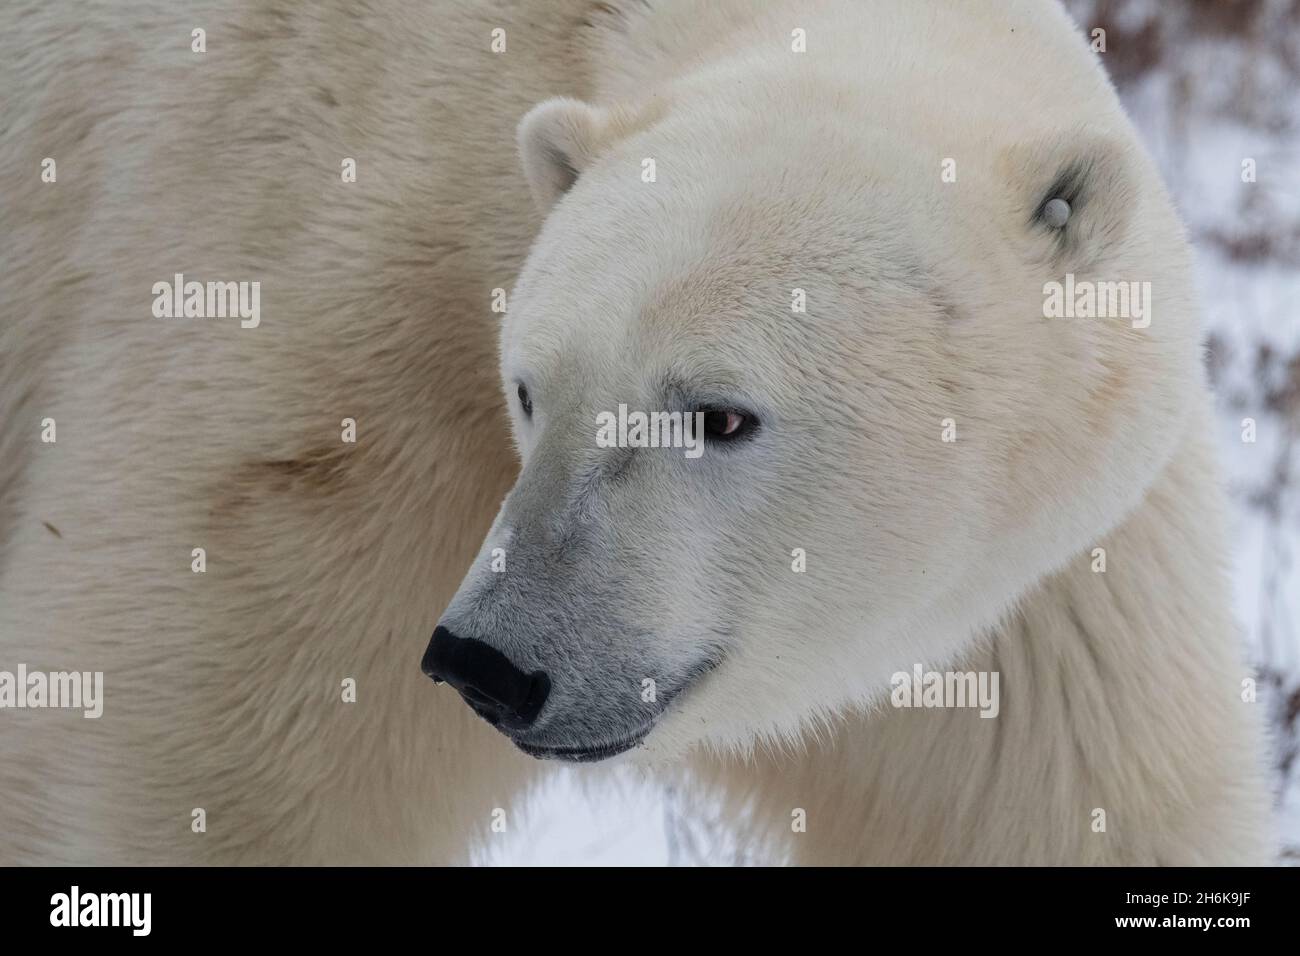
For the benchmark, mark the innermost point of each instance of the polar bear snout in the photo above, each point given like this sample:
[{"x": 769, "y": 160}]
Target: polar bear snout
[{"x": 496, "y": 690}]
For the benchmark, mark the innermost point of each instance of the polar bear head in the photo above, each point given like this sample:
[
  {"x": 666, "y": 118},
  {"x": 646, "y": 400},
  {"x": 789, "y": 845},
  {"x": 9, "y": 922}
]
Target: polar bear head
[{"x": 884, "y": 440}]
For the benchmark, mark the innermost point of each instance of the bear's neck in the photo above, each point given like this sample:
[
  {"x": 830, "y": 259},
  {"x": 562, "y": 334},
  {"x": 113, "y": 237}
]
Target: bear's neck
[{"x": 1121, "y": 705}]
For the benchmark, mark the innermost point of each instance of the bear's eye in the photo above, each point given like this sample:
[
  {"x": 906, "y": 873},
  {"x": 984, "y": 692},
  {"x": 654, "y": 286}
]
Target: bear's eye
[
  {"x": 727, "y": 424},
  {"x": 525, "y": 402}
]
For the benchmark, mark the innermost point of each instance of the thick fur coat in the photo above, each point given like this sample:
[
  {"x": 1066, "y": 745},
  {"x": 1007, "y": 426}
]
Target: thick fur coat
[{"x": 329, "y": 560}]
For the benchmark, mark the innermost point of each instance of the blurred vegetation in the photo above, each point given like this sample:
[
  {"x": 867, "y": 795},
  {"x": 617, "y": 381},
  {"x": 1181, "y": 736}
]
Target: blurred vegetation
[{"x": 1202, "y": 77}]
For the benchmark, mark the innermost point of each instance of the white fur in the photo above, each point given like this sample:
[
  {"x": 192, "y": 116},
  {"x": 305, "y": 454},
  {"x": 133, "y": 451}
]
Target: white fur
[
  {"x": 327, "y": 560},
  {"x": 324, "y": 560}
]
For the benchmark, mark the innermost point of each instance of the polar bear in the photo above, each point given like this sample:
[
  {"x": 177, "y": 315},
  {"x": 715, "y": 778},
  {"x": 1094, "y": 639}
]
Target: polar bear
[
  {"x": 965, "y": 475},
  {"x": 250, "y": 528}
]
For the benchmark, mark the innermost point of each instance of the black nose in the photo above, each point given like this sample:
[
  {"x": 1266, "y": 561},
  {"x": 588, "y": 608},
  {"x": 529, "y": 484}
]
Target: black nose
[{"x": 498, "y": 691}]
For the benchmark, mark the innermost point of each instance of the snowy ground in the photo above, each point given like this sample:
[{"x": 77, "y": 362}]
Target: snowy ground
[
  {"x": 572, "y": 825},
  {"x": 1210, "y": 83}
]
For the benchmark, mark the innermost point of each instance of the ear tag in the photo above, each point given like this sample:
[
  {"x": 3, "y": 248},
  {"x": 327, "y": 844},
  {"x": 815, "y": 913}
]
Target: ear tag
[{"x": 1056, "y": 213}]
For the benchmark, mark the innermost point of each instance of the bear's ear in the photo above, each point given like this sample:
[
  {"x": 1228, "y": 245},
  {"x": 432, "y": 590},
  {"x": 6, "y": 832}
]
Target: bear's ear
[
  {"x": 1076, "y": 192},
  {"x": 558, "y": 139}
]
